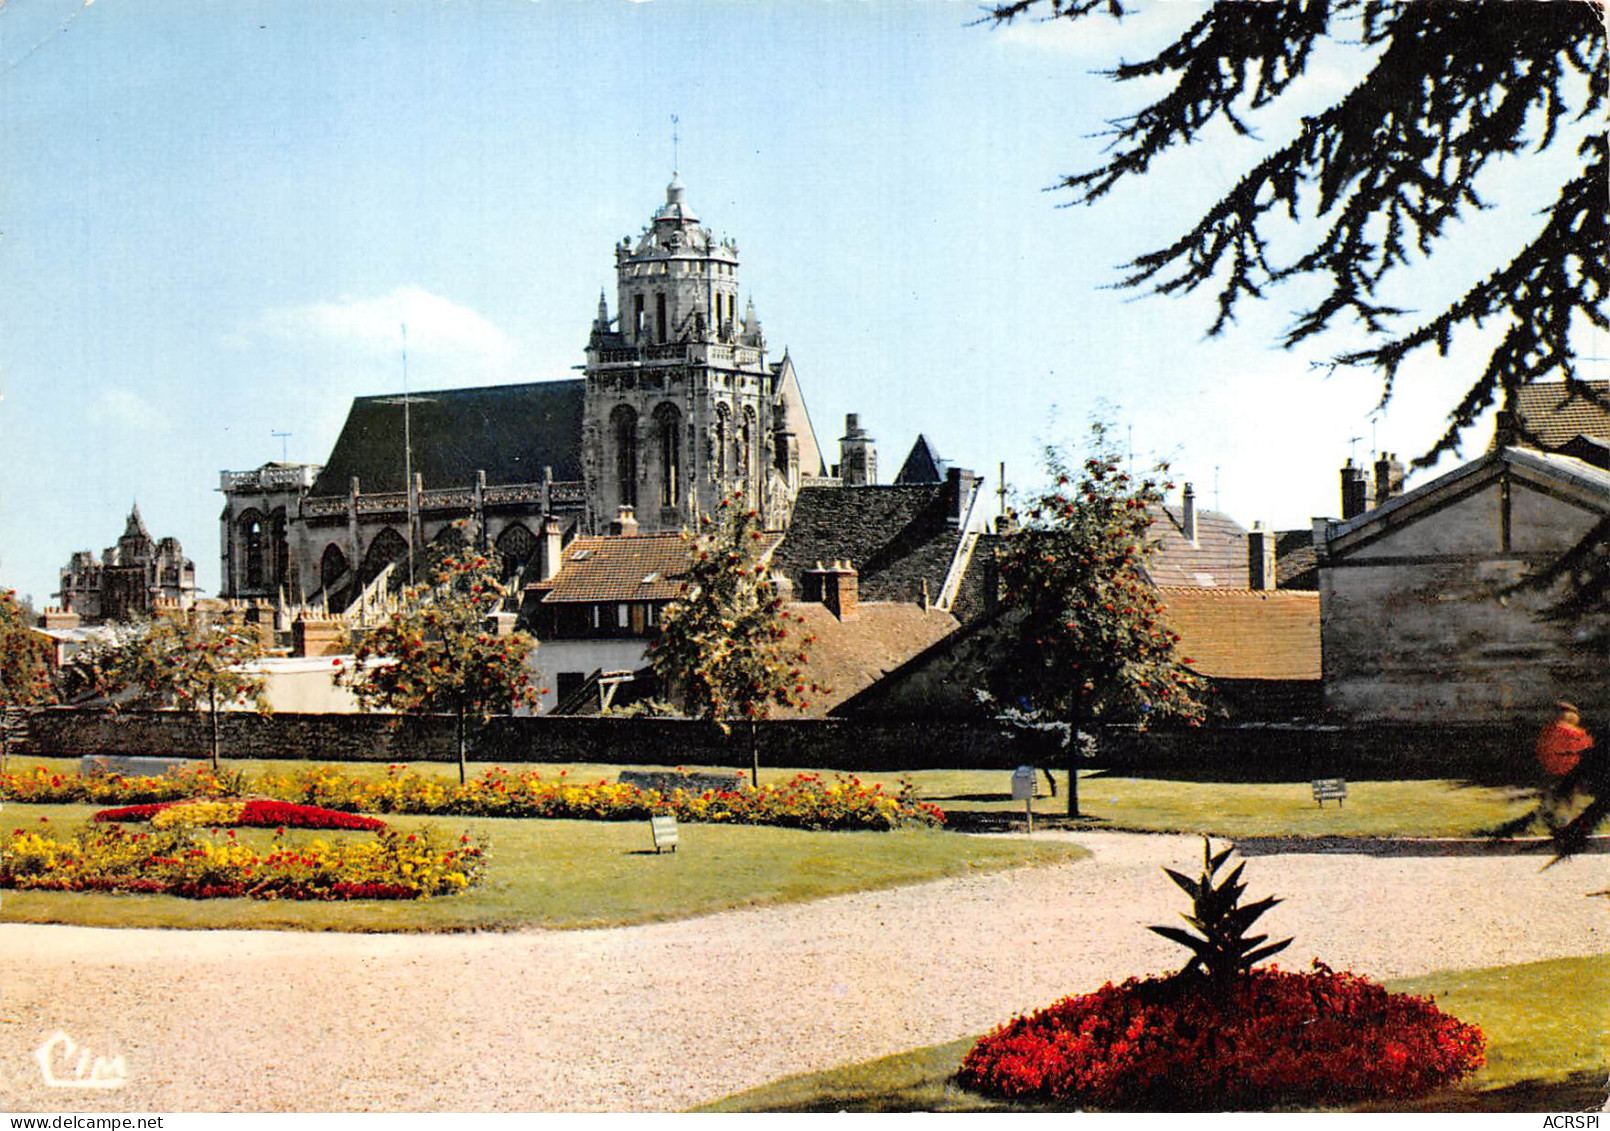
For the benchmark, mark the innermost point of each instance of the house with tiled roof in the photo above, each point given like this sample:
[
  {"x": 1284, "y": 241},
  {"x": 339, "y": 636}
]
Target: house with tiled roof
[
  {"x": 1258, "y": 648},
  {"x": 1422, "y": 621},
  {"x": 1554, "y": 416}
]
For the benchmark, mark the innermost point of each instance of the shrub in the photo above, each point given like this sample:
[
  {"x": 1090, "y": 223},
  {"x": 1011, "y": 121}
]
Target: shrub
[
  {"x": 177, "y": 861},
  {"x": 1274, "y": 1038}
]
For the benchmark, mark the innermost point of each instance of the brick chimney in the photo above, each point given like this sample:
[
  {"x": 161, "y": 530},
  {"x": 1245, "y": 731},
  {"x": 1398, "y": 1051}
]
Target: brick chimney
[
  {"x": 836, "y": 586},
  {"x": 56, "y": 618},
  {"x": 1388, "y": 477},
  {"x": 1188, "y": 515},
  {"x": 1355, "y": 491},
  {"x": 959, "y": 482},
  {"x": 625, "y": 523},
  {"x": 311, "y": 637},
  {"x": 549, "y": 548},
  {"x": 1260, "y": 558}
]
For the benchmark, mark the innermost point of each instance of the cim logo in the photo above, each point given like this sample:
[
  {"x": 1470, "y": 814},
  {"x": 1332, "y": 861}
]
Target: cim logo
[{"x": 64, "y": 1064}]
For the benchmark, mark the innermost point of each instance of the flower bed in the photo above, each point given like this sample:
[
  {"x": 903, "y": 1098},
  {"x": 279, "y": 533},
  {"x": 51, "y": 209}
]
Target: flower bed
[
  {"x": 807, "y": 801},
  {"x": 1275, "y": 1038},
  {"x": 255, "y": 813},
  {"x": 108, "y": 857}
]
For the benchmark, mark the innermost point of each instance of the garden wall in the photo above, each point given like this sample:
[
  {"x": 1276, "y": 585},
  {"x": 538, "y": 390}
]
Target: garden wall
[{"x": 1244, "y": 752}]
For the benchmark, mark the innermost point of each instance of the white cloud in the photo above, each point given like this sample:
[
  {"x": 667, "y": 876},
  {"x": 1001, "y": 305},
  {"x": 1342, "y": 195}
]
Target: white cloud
[
  {"x": 1101, "y": 40},
  {"x": 126, "y": 409},
  {"x": 436, "y": 325}
]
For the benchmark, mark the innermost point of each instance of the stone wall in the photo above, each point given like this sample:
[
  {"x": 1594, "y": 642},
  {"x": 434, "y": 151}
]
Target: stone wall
[{"x": 1291, "y": 753}]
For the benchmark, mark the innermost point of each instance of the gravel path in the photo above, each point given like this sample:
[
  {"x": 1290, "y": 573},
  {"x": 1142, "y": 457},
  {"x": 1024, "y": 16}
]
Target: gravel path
[{"x": 666, "y": 1016}]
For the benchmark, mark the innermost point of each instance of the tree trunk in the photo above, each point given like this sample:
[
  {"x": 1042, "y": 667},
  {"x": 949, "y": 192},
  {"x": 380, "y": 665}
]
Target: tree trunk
[
  {"x": 461, "y": 766},
  {"x": 1075, "y": 750},
  {"x": 212, "y": 713},
  {"x": 754, "y": 754}
]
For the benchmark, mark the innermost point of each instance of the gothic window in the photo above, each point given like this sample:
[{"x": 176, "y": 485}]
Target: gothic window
[
  {"x": 637, "y": 318},
  {"x": 659, "y": 317},
  {"x": 746, "y": 448},
  {"x": 387, "y": 548},
  {"x": 623, "y": 425},
  {"x": 723, "y": 433},
  {"x": 252, "y": 538},
  {"x": 282, "y": 547},
  {"x": 332, "y": 567},
  {"x": 515, "y": 547},
  {"x": 668, "y": 427}
]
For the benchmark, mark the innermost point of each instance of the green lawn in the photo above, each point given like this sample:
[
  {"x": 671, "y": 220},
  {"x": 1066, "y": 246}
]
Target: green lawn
[
  {"x": 1415, "y": 808},
  {"x": 564, "y": 874},
  {"x": 1546, "y": 1025}
]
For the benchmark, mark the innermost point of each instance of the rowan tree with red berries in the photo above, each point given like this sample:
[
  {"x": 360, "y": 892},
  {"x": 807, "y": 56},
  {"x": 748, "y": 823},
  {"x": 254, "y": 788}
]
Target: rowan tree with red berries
[
  {"x": 24, "y": 660},
  {"x": 181, "y": 661},
  {"x": 1088, "y": 640},
  {"x": 439, "y": 654},
  {"x": 727, "y": 650}
]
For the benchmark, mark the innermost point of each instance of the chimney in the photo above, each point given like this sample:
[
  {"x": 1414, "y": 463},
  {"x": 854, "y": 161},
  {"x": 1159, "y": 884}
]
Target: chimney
[
  {"x": 858, "y": 458},
  {"x": 1188, "y": 515},
  {"x": 625, "y": 524},
  {"x": 960, "y": 483},
  {"x": 1388, "y": 477},
  {"x": 311, "y": 637},
  {"x": 549, "y": 548},
  {"x": 1506, "y": 429},
  {"x": 835, "y": 586},
  {"x": 1355, "y": 491},
  {"x": 1260, "y": 558},
  {"x": 56, "y": 618}
]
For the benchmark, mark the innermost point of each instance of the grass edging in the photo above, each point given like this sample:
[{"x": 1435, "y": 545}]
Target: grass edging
[{"x": 1545, "y": 1024}]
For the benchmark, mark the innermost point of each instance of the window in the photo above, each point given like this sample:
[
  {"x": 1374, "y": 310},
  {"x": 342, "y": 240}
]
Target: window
[
  {"x": 637, "y": 318},
  {"x": 252, "y": 536},
  {"x": 659, "y": 317},
  {"x": 623, "y": 615},
  {"x": 722, "y": 435},
  {"x": 668, "y": 425},
  {"x": 624, "y": 422}
]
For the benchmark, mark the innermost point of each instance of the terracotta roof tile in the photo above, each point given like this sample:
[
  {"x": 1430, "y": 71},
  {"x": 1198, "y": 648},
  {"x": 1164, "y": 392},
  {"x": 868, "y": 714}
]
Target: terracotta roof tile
[
  {"x": 851, "y": 655},
  {"x": 1246, "y": 633},
  {"x": 1218, "y": 560},
  {"x": 1554, "y": 418},
  {"x": 642, "y": 567}
]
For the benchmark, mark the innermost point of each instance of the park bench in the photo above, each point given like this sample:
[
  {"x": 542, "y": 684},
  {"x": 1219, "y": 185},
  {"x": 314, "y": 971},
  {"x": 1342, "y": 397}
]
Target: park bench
[
  {"x": 1330, "y": 789},
  {"x": 664, "y": 782},
  {"x": 663, "y": 830}
]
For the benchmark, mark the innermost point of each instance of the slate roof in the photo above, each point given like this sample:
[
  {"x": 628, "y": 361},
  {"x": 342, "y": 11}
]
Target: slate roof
[
  {"x": 1550, "y": 417},
  {"x": 509, "y": 431},
  {"x": 1246, "y": 633},
  {"x": 1218, "y": 560},
  {"x": 597, "y": 567},
  {"x": 1296, "y": 561},
  {"x": 896, "y": 537},
  {"x": 850, "y": 656},
  {"x": 922, "y": 465}
]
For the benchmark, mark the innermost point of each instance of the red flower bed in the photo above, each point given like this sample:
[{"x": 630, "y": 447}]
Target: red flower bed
[
  {"x": 259, "y": 814},
  {"x": 1276, "y": 1038}
]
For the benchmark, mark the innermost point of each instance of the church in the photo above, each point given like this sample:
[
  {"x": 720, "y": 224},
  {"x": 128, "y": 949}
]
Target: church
[{"x": 678, "y": 407}]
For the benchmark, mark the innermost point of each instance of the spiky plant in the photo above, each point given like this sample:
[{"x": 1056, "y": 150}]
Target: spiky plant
[{"x": 1224, "y": 951}]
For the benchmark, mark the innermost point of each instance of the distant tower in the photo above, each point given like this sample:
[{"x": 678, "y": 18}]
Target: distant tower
[
  {"x": 681, "y": 407},
  {"x": 858, "y": 457}
]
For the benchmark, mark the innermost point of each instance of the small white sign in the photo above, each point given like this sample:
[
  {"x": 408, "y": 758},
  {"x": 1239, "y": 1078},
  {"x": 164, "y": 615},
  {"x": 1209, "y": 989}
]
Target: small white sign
[{"x": 1023, "y": 783}]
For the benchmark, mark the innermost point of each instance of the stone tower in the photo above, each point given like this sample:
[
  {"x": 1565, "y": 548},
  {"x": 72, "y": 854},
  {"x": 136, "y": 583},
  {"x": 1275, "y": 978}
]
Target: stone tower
[{"x": 680, "y": 405}]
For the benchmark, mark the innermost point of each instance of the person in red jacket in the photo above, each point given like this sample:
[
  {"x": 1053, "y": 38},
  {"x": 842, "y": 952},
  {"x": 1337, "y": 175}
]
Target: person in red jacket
[{"x": 1563, "y": 741}]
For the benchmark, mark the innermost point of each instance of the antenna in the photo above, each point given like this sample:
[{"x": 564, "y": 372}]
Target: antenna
[
  {"x": 1352, "y": 447},
  {"x": 676, "y": 160},
  {"x": 408, "y": 456},
  {"x": 1216, "y": 487},
  {"x": 282, "y": 435}
]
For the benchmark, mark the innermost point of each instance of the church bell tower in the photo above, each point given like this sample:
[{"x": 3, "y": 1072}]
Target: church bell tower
[{"x": 681, "y": 407}]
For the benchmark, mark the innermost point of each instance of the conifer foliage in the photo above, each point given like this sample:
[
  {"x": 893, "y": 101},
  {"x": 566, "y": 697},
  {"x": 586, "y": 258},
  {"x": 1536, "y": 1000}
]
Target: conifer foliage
[
  {"x": 1384, "y": 175},
  {"x": 1089, "y": 642},
  {"x": 727, "y": 650}
]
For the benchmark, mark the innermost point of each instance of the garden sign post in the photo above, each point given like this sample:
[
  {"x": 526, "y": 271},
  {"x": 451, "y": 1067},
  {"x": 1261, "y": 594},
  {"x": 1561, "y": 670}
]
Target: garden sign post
[{"x": 1023, "y": 790}]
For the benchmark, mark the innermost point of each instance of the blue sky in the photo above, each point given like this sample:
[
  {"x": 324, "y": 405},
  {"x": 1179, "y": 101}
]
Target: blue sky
[{"x": 213, "y": 215}]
